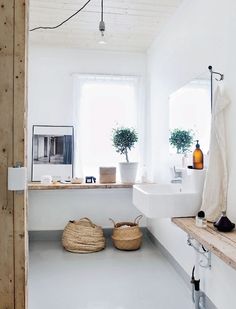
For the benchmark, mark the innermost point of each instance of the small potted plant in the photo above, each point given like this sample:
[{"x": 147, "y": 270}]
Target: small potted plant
[
  {"x": 182, "y": 140},
  {"x": 124, "y": 140}
]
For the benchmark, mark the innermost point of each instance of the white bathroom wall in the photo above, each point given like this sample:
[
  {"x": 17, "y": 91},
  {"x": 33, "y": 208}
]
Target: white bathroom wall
[
  {"x": 51, "y": 210},
  {"x": 50, "y": 102},
  {"x": 51, "y": 79},
  {"x": 200, "y": 34}
]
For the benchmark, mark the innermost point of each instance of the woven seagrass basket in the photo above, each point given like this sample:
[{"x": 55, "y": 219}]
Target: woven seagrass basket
[
  {"x": 83, "y": 236},
  {"x": 127, "y": 235}
]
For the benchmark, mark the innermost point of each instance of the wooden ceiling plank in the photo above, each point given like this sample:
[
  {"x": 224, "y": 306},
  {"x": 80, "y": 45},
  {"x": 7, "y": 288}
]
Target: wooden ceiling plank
[{"x": 141, "y": 19}]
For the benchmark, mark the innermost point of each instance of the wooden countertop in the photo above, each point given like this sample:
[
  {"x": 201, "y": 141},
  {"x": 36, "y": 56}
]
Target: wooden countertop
[
  {"x": 69, "y": 186},
  {"x": 221, "y": 244}
]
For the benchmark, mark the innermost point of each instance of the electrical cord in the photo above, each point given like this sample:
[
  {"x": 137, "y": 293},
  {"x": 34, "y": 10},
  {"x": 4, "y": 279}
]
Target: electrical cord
[
  {"x": 193, "y": 270},
  {"x": 64, "y": 21},
  {"x": 101, "y": 10}
]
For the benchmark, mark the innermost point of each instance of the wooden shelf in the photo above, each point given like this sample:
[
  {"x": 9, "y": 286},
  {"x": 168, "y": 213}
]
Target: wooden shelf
[
  {"x": 69, "y": 186},
  {"x": 221, "y": 244}
]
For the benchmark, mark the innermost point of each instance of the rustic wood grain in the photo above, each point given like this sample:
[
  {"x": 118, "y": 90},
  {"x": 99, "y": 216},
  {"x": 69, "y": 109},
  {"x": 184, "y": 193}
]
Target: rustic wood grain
[
  {"x": 6, "y": 154},
  {"x": 60, "y": 186},
  {"x": 221, "y": 244},
  {"x": 13, "y": 252},
  {"x": 19, "y": 134}
]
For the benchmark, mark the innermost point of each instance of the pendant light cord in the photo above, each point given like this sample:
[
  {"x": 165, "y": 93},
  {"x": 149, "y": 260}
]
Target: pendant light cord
[
  {"x": 64, "y": 21},
  {"x": 101, "y": 10}
]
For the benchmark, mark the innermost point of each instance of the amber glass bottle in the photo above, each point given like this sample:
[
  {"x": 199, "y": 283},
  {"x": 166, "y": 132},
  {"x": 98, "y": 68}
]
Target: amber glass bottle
[{"x": 197, "y": 158}]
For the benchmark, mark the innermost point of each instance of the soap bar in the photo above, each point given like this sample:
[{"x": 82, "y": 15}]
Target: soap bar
[{"x": 46, "y": 179}]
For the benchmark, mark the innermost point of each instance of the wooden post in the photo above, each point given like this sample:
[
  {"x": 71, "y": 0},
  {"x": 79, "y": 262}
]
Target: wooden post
[{"x": 13, "y": 232}]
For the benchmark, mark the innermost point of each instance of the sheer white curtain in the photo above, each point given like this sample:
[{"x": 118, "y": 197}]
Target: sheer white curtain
[{"x": 103, "y": 102}]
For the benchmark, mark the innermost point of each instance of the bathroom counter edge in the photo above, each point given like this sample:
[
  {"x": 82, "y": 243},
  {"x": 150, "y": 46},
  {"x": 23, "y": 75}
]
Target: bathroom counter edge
[
  {"x": 69, "y": 186},
  {"x": 221, "y": 244}
]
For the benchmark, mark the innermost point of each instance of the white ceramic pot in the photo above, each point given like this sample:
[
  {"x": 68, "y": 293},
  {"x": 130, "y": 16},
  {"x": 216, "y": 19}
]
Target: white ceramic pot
[{"x": 128, "y": 171}]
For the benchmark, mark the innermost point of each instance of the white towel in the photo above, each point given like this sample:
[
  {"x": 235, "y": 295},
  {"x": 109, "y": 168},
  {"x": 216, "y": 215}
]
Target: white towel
[{"x": 214, "y": 198}]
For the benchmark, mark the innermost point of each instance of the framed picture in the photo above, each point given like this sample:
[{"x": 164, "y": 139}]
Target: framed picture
[{"x": 52, "y": 152}]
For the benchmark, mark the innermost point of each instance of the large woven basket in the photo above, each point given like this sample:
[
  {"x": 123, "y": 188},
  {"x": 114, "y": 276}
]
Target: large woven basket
[
  {"x": 83, "y": 236},
  {"x": 127, "y": 235}
]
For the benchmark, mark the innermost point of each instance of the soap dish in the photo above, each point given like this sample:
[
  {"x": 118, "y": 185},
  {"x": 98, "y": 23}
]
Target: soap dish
[
  {"x": 77, "y": 180},
  {"x": 224, "y": 224}
]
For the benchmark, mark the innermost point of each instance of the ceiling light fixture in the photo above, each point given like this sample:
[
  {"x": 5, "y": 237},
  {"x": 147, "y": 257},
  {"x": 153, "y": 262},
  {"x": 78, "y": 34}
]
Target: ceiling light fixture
[{"x": 102, "y": 26}]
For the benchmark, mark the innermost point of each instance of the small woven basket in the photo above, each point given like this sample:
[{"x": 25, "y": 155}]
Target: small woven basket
[
  {"x": 83, "y": 236},
  {"x": 127, "y": 235}
]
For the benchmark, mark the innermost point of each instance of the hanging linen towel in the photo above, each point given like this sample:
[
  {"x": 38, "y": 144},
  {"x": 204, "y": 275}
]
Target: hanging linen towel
[{"x": 214, "y": 198}]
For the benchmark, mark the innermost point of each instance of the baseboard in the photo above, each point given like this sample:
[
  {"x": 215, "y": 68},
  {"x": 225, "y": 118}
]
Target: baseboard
[
  {"x": 45, "y": 235},
  {"x": 183, "y": 274},
  {"x": 57, "y": 234}
]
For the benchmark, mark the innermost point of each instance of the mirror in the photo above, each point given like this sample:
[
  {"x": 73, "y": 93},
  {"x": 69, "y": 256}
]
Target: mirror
[
  {"x": 52, "y": 152},
  {"x": 190, "y": 109}
]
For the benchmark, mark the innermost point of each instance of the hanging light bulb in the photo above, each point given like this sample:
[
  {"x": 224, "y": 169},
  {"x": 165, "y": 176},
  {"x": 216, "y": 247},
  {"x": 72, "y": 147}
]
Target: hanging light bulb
[
  {"x": 102, "y": 27},
  {"x": 102, "y": 31}
]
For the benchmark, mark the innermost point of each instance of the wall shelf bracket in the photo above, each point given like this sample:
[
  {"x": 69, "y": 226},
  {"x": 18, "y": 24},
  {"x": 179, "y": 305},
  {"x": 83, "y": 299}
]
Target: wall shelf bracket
[{"x": 205, "y": 260}]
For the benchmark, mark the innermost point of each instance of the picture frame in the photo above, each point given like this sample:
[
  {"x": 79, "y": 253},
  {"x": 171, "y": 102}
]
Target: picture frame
[{"x": 52, "y": 152}]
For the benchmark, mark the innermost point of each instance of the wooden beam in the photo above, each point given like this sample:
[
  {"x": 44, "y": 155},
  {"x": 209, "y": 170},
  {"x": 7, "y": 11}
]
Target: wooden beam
[
  {"x": 20, "y": 138},
  {"x": 6, "y": 154},
  {"x": 13, "y": 248}
]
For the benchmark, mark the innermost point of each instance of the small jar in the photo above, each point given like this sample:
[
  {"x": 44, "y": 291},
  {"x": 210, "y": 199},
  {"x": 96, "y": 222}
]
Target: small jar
[{"x": 201, "y": 220}]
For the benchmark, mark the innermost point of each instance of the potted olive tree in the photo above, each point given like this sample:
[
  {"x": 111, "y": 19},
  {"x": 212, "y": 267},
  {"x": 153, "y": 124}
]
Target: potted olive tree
[
  {"x": 124, "y": 140},
  {"x": 182, "y": 140}
]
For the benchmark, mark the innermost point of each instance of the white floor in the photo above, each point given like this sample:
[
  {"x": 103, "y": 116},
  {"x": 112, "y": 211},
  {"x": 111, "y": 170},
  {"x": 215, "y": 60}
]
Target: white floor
[{"x": 110, "y": 279}]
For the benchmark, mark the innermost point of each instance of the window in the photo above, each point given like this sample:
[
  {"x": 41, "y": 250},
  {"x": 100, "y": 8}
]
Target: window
[{"x": 103, "y": 103}]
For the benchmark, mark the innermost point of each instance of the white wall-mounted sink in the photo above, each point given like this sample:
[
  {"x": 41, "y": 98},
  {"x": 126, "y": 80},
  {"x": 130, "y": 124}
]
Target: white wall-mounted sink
[{"x": 166, "y": 200}]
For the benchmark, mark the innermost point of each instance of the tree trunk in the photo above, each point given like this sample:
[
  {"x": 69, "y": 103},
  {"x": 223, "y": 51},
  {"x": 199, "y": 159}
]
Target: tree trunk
[{"x": 126, "y": 155}]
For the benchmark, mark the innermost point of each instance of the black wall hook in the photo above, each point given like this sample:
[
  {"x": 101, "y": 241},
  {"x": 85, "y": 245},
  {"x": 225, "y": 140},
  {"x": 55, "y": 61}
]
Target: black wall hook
[
  {"x": 220, "y": 78},
  {"x": 216, "y": 73}
]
